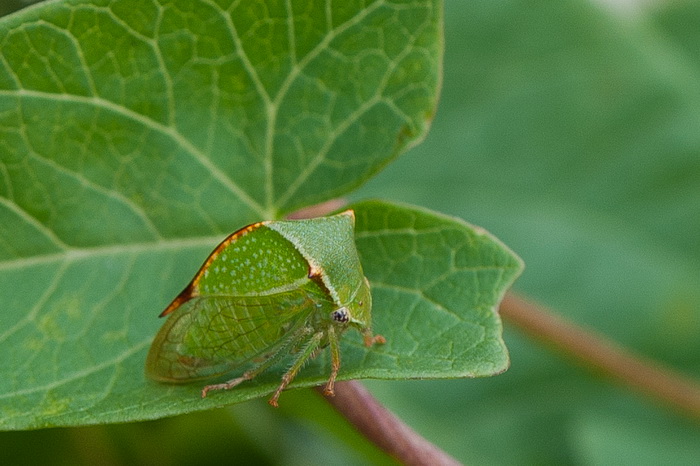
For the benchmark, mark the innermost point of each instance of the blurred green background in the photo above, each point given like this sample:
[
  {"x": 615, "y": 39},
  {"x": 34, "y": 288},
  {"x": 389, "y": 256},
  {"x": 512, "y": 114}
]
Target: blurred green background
[{"x": 572, "y": 132}]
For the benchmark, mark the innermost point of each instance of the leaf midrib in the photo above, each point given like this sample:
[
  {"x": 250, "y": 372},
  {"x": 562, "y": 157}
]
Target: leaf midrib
[
  {"x": 77, "y": 254},
  {"x": 169, "y": 131},
  {"x": 272, "y": 104},
  {"x": 137, "y": 347}
]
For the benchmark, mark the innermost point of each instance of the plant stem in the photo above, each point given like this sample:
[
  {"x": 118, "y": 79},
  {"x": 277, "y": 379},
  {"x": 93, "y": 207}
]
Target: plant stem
[
  {"x": 601, "y": 353},
  {"x": 380, "y": 426},
  {"x": 318, "y": 210}
]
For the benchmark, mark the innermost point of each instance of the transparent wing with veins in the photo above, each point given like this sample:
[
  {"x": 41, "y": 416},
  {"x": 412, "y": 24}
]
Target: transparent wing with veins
[{"x": 211, "y": 335}]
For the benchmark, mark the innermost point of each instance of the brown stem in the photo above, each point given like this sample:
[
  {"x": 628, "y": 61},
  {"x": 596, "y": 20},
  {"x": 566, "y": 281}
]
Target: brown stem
[
  {"x": 379, "y": 425},
  {"x": 599, "y": 352},
  {"x": 318, "y": 210}
]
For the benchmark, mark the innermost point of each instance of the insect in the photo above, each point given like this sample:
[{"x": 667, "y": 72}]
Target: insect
[{"x": 269, "y": 289}]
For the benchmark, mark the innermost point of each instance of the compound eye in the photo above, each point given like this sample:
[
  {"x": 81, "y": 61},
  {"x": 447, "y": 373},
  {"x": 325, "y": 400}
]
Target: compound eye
[{"x": 340, "y": 315}]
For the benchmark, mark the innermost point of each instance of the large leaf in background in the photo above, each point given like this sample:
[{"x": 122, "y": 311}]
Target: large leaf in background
[
  {"x": 134, "y": 135},
  {"x": 575, "y": 137},
  {"x": 190, "y": 117},
  {"x": 436, "y": 284}
]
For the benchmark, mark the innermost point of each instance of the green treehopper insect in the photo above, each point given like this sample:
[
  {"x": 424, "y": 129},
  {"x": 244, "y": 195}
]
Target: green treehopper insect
[{"x": 268, "y": 290}]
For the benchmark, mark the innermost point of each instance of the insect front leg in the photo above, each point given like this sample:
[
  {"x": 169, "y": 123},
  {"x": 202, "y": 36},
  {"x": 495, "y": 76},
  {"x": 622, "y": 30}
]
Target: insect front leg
[
  {"x": 311, "y": 346},
  {"x": 335, "y": 362},
  {"x": 370, "y": 339}
]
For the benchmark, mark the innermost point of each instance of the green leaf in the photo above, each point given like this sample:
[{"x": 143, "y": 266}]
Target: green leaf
[
  {"x": 188, "y": 118},
  {"x": 134, "y": 137},
  {"x": 436, "y": 282}
]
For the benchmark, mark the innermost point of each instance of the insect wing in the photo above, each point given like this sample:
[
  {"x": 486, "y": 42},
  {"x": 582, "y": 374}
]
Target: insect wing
[{"x": 212, "y": 335}]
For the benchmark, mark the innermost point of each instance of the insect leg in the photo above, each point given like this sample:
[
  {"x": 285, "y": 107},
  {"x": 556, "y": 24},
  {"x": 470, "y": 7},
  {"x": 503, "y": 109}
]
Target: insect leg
[
  {"x": 280, "y": 352},
  {"x": 305, "y": 354},
  {"x": 335, "y": 361}
]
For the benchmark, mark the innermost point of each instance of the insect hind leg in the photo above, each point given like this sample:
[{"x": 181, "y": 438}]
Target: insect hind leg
[{"x": 276, "y": 355}]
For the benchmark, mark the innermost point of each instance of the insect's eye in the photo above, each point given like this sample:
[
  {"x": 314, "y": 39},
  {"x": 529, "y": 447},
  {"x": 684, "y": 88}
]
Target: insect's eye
[
  {"x": 340, "y": 315},
  {"x": 360, "y": 303}
]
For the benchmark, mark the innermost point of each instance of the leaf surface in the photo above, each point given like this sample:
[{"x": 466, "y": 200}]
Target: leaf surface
[
  {"x": 135, "y": 135},
  {"x": 80, "y": 349},
  {"x": 129, "y": 121}
]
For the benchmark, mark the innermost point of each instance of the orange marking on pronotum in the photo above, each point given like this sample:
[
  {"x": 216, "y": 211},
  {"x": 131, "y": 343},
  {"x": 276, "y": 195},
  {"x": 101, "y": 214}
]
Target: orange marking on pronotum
[
  {"x": 191, "y": 290},
  {"x": 314, "y": 272}
]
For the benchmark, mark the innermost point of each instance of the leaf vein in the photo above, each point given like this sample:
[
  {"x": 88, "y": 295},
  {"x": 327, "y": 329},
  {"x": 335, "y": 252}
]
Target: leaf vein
[
  {"x": 284, "y": 88},
  {"x": 86, "y": 183},
  {"x": 34, "y": 311},
  {"x": 34, "y": 222},
  {"x": 80, "y": 374},
  {"x": 75, "y": 254},
  {"x": 168, "y": 131}
]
